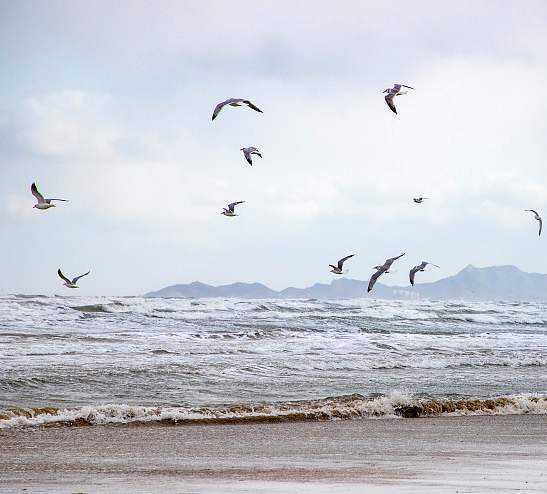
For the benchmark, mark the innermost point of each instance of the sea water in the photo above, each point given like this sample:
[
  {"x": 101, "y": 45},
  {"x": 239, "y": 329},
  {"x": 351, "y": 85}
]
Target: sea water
[{"x": 129, "y": 359}]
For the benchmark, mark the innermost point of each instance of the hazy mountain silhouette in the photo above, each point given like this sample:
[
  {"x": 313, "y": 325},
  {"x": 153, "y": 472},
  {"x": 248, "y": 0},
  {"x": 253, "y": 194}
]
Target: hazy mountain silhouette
[{"x": 492, "y": 283}]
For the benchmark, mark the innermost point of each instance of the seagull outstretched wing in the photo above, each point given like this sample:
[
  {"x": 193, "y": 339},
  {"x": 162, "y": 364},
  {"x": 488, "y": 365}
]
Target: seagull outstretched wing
[
  {"x": 75, "y": 280},
  {"x": 389, "y": 101},
  {"x": 220, "y": 106},
  {"x": 232, "y": 205},
  {"x": 250, "y": 105},
  {"x": 62, "y": 276},
  {"x": 412, "y": 273},
  {"x": 343, "y": 260},
  {"x": 247, "y": 154},
  {"x": 391, "y": 260},
  {"x": 537, "y": 217},
  {"x": 374, "y": 277},
  {"x": 35, "y": 193}
]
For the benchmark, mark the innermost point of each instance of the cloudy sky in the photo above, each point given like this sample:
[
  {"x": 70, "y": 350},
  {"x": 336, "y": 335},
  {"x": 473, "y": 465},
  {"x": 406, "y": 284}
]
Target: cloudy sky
[{"x": 110, "y": 107}]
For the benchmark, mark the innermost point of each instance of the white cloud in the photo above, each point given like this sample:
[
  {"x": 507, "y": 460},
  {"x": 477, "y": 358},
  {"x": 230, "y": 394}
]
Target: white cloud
[
  {"x": 19, "y": 206},
  {"x": 142, "y": 161},
  {"x": 67, "y": 124}
]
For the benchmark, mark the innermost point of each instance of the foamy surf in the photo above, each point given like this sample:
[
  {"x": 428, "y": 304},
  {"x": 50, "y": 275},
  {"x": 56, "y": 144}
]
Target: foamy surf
[
  {"x": 336, "y": 408},
  {"x": 107, "y": 308},
  {"x": 71, "y": 351}
]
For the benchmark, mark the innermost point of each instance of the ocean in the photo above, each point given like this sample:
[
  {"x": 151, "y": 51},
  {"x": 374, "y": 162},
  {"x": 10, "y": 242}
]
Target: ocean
[{"x": 101, "y": 360}]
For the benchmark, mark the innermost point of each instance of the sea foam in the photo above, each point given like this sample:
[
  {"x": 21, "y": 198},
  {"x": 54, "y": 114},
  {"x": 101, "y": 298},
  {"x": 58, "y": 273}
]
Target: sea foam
[{"x": 335, "y": 408}]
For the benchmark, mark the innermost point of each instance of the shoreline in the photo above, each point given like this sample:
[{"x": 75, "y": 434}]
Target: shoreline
[
  {"x": 441, "y": 454},
  {"x": 343, "y": 407}
]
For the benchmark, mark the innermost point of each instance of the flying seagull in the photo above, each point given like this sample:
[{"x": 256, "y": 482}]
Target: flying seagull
[
  {"x": 68, "y": 283},
  {"x": 42, "y": 203},
  {"x": 537, "y": 217},
  {"x": 338, "y": 269},
  {"x": 415, "y": 269},
  {"x": 230, "y": 210},
  {"x": 234, "y": 102},
  {"x": 392, "y": 92},
  {"x": 380, "y": 270},
  {"x": 248, "y": 152},
  {"x": 419, "y": 200}
]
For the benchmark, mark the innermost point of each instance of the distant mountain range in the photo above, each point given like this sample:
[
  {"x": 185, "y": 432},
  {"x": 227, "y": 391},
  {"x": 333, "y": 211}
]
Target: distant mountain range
[{"x": 491, "y": 283}]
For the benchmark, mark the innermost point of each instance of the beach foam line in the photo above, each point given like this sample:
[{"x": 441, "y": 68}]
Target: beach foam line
[{"x": 343, "y": 407}]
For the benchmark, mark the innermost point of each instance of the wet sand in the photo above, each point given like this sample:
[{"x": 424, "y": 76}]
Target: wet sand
[{"x": 436, "y": 455}]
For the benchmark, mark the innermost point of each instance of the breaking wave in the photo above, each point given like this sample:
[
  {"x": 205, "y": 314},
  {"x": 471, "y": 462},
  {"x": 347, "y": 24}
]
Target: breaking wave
[
  {"x": 343, "y": 407},
  {"x": 109, "y": 308}
]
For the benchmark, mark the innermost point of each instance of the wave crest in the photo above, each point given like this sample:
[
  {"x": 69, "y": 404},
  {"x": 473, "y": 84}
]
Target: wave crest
[
  {"x": 109, "y": 308},
  {"x": 343, "y": 407}
]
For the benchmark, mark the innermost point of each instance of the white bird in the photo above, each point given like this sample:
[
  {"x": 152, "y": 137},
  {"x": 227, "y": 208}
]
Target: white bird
[
  {"x": 380, "y": 270},
  {"x": 234, "y": 102},
  {"x": 420, "y": 267},
  {"x": 248, "y": 152},
  {"x": 42, "y": 203},
  {"x": 338, "y": 269},
  {"x": 419, "y": 200},
  {"x": 229, "y": 211},
  {"x": 392, "y": 92},
  {"x": 537, "y": 217},
  {"x": 71, "y": 283}
]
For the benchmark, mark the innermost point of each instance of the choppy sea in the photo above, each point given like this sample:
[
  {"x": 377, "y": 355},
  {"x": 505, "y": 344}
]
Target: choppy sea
[{"x": 72, "y": 360}]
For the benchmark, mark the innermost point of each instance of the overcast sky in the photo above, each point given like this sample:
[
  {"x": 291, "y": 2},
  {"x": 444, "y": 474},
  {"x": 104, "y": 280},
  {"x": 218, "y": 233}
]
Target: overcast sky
[{"x": 110, "y": 106}]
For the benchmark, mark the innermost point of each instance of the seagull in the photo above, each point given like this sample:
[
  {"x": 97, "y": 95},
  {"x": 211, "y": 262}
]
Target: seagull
[
  {"x": 248, "y": 152},
  {"x": 392, "y": 92},
  {"x": 42, "y": 203},
  {"x": 415, "y": 269},
  {"x": 338, "y": 269},
  {"x": 537, "y": 217},
  {"x": 380, "y": 270},
  {"x": 230, "y": 210},
  {"x": 67, "y": 282},
  {"x": 419, "y": 200},
  {"x": 234, "y": 102}
]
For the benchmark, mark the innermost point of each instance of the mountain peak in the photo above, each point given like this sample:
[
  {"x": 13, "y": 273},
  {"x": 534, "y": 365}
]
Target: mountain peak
[
  {"x": 507, "y": 268},
  {"x": 468, "y": 268},
  {"x": 488, "y": 283},
  {"x": 197, "y": 284}
]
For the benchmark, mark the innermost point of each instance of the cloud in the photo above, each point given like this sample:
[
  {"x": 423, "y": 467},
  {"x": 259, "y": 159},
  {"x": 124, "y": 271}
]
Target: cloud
[
  {"x": 17, "y": 206},
  {"x": 128, "y": 137},
  {"x": 67, "y": 124}
]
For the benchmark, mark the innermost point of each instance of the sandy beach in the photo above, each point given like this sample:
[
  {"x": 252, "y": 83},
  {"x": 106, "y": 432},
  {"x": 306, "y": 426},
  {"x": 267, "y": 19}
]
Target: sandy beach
[{"x": 445, "y": 454}]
